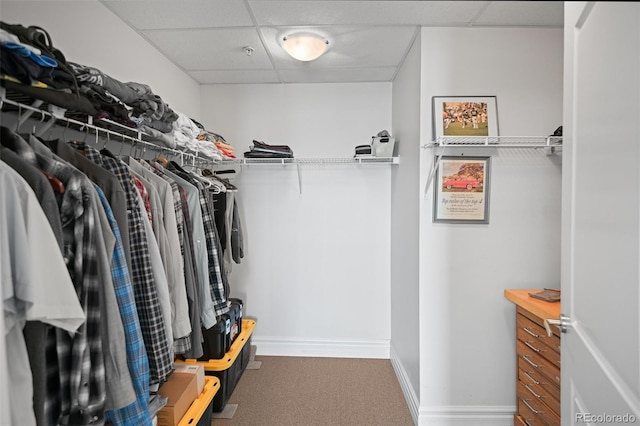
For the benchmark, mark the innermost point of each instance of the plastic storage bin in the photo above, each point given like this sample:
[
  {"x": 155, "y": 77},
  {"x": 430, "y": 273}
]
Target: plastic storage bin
[
  {"x": 201, "y": 410},
  {"x": 235, "y": 320},
  {"x": 229, "y": 369},
  {"x": 219, "y": 338}
]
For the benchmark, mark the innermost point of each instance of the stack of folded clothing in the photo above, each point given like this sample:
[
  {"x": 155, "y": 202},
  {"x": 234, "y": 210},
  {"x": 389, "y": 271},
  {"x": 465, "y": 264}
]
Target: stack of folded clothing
[
  {"x": 226, "y": 149},
  {"x": 223, "y": 146},
  {"x": 263, "y": 150}
]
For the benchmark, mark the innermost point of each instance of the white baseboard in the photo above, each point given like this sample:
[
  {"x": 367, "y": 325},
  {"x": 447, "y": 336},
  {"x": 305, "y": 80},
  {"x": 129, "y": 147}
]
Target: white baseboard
[
  {"x": 276, "y": 346},
  {"x": 467, "y": 416},
  {"x": 405, "y": 384}
]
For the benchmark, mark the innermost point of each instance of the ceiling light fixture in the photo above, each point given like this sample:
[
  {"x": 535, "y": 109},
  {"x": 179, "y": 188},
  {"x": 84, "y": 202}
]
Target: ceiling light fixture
[{"x": 305, "y": 47}]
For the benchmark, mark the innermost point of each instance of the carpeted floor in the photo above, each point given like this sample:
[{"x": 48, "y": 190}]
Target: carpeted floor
[{"x": 304, "y": 391}]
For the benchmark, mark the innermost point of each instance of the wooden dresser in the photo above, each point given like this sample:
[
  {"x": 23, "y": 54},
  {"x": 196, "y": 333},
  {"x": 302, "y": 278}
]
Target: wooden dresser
[{"x": 538, "y": 360}]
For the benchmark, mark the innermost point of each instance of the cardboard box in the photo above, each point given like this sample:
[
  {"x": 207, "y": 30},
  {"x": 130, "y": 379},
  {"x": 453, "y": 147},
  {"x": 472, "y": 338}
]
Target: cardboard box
[
  {"x": 180, "y": 389},
  {"x": 196, "y": 369}
]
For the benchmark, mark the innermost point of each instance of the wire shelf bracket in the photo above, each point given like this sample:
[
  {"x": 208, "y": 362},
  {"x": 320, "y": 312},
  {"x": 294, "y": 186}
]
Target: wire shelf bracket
[{"x": 550, "y": 145}]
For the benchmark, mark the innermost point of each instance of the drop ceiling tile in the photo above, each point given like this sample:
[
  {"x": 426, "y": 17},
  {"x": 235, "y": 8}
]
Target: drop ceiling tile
[
  {"x": 523, "y": 13},
  {"x": 235, "y": 76},
  {"x": 163, "y": 14},
  {"x": 296, "y": 12},
  {"x": 349, "y": 46},
  {"x": 338, "y": 75},
  {"x": 218, "y": 49}
]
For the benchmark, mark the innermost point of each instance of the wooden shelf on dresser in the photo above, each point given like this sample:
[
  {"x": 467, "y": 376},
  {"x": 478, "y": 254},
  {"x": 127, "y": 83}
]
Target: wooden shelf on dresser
[{"x": 538, "y": 360}]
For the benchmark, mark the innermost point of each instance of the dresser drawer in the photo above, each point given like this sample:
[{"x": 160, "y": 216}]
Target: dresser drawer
[
  {"x": 534, "y": 327},
  {"x": 528, "y": 374},
  {"x": 538, "y": 346},
  {"x": 534, "y": 411},
  {"x": 537, "y": 389},
  {"x": 538, "y": 363}
]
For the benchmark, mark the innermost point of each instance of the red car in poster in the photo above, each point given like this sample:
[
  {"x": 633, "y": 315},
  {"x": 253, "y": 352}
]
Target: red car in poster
[{"x": 461, "y": 183}]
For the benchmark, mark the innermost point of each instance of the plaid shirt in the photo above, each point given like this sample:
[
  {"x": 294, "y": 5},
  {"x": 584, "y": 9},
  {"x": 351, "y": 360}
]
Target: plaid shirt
[
  {"x": 142, "y": 190},
  {"x": 136, "y": 413},
  {"x": 181, "y": 345},
  {"x": 145, "y": 291},
  {"x": 185, "y": 233},
  {"x": 80, "y": 370},
  {"x": 218, "y": 295}
]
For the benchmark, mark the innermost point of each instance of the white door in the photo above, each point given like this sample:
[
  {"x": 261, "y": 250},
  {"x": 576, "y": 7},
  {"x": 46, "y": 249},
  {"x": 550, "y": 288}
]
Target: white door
[{"x": 601, "y": 214}]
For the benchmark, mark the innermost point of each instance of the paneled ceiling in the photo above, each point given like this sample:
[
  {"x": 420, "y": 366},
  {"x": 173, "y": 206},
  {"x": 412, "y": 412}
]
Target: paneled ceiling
[{"x": 368, "y": 39}]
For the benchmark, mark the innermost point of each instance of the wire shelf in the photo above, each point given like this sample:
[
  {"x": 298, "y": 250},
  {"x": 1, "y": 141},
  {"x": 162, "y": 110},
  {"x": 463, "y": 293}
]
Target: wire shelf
[
  {"x": 497, "y": 141},
  {"x": 276, "y": 161}
]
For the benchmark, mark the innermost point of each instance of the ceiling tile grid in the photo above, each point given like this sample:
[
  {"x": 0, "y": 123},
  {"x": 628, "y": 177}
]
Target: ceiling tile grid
[{"x": 368, "y": 39}]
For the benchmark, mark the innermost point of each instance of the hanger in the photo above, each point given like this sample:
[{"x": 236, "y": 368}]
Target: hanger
[
  {"x": 17, "y": 130},
  {"x": 105, "y": 151},
  {"x": 56, "y": 183},
  {"x": 104, "y": 145},
  {"x": 64, "y": 132},
  {"x": 86, "y": 135},
  {"x": 78, "y": 145},
  {"x": 225, "y": 172},
  {"x": 228, "y": 186},
  {"x": 121, "y": 148},
  {"x": 161, "y": 160},
  {"x": 41, "y": 121}
]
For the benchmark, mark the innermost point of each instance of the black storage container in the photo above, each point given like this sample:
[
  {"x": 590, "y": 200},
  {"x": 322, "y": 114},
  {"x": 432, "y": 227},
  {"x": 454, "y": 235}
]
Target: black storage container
[
  {"x": 230, "y": 367},
  {"x": 235, "y": 318},
  {"x": 219, "y": 338},
  {"x": 214, "y": 344},
  {"x": 229, "y": 374}
]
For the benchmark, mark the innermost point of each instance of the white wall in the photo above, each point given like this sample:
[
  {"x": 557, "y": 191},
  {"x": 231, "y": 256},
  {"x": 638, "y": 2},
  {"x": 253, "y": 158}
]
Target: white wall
[
  {"x": 316, "y": 272},
  {"x": 90, "y": 34},
  {"x": 405, "y": 222},
  {"x": 467, "y": 328}
]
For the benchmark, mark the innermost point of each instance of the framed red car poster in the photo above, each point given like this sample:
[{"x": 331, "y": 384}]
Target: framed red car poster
[{"x": 461, "y": 189}]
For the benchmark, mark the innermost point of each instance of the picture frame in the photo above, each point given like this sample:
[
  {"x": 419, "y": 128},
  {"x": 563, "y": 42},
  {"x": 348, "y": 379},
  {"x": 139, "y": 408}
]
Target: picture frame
[
  {"x": 465, "y": 116},
  {"x": 461, "y": 189}
]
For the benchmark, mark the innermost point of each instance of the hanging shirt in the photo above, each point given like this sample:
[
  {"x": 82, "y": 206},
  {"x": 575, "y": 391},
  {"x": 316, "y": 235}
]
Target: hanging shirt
[
  {"x": 193, "y": 348},
  {"x": 119, "y": 387},
  {"x": 146, "y": 293},
  {"x": 81, "y": 371},
  {"x": 107, "y": 181},
  {"x": 201, "y": 260},
  {"x": 166, "y": 228},
  {"x": 216, "y": 268},
  {"x": 44, "y": 294},
  {"x": 138, "y": 412},
  {"x": 159, "y": 277},
  {"x": 35, "y": 332}
]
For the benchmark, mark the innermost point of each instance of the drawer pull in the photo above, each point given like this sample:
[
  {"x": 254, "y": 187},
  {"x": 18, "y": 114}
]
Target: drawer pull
[
  {"x": 533, "y": 347},
  {"x": 532, "y": 392},
  {"x": 530, "y": 362},
  {"x": 537, "y": 336},
  {"x": 531, "y": 378},
  {"x": 531, "y": 408}
]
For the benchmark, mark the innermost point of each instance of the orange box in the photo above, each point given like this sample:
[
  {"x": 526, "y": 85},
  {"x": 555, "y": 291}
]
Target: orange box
[{"x": 180, "y": 389}]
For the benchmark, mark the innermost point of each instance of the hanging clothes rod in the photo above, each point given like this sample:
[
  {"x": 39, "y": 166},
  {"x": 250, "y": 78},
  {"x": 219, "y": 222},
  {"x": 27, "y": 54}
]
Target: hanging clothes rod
[{"x": 56, "y": 113}]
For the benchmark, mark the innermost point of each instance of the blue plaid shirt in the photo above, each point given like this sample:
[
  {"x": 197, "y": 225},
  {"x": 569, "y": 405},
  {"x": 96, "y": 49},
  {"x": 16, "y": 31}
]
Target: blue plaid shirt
[
  {"x": 144, "y": 286},
  {"x": 136, "y": 413}
]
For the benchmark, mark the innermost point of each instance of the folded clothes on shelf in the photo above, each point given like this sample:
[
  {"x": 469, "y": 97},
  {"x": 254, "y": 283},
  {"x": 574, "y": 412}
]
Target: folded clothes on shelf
[{"x": 263, "y": 150}]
